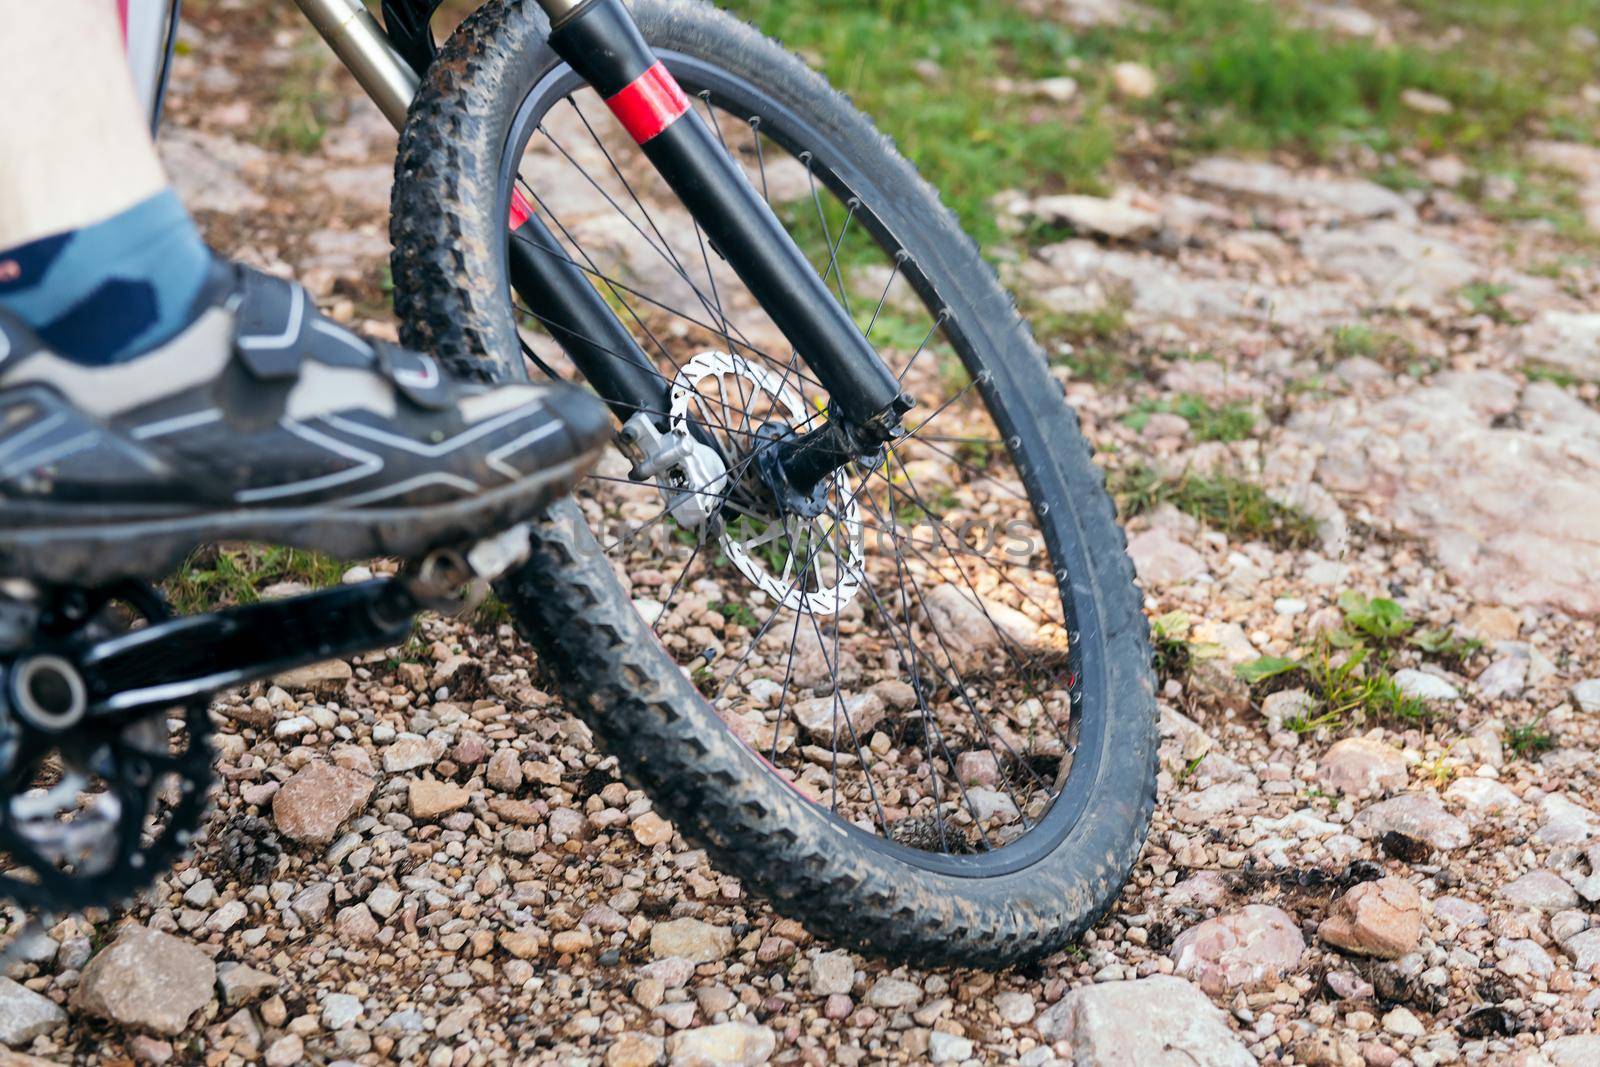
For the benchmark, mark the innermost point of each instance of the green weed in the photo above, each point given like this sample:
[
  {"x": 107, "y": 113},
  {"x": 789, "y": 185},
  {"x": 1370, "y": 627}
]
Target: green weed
[
  {"x": 1099, "y": 364},
  {"x": 1093, "y": 344},
  {"x": 1483, "y": 298},
  {"x": 1350, "y": 681},
  {"x": 1443, "y": 643},
  {"x": 1538, "y": 196},
  {"x": 1109, "y": 322},
  {"x": 490, "y": 614},
  {"x": 1529, "y": 740},
  {"x": 1169, "y": 641},
  {"x": 1350, "y": 670},
  {"x": 1541, "y": 372},
  {"x": 774, "y": 553},
  {"x": 1260, "y": 670},
  {"x": 415, "y": 650},
  {"x": 739, "y": 614},
  {"x": 1380, "y": 346},
  {"x": 1378, "y": 619}
]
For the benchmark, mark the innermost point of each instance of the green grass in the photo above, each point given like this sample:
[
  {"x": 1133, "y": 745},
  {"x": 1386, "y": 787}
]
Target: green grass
[
  {"x": 1381, "y": 346},
  {"x": 1350, "y": 682},
  {"x": 1095, "y": 344},
  {"x": 774, "y": 553},
  {"x": 1189, "y": 768},
  {"x": 928, "y": 507},
  {"x": 1105, "y": 323},
  {"x": 1543, "y": 372},
  {"x": 304, "y": 99},
  {"x": 1233, "y": 505},
  {"x": 1207, "y": 422},
  {"x": 1445, "y": 644},
  {"x": 1362, "y": 339},
  {"x": 1527, "y": 44},
  {"x": 415, "y": 650},
  {"x": 226, "y": 575},
  {"x": 834, "y": 242},
  {"x": 1233, "y": 75},
  {"x": 1100, "y": 364},
  {"x": 490, "y": 613},
  {"x": 969, "y": 140},
  {"x": 1538, "y": 195},
  {"x": 1353, "y": 691},
  {"x": 1241, "y": 74}
]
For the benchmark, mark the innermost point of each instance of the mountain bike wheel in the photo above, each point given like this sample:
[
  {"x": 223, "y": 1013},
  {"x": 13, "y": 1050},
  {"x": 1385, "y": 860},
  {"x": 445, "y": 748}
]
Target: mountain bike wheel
[{"x": 924, "y": 721}]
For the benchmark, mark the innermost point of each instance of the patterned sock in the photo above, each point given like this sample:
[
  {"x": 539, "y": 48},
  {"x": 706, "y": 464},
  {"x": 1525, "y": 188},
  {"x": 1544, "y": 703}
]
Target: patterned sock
[{"x": 111, "y": 291}]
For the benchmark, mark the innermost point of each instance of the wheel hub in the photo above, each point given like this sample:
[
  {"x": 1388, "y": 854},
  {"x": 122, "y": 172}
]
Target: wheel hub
[{"x": 805, "y": 554}]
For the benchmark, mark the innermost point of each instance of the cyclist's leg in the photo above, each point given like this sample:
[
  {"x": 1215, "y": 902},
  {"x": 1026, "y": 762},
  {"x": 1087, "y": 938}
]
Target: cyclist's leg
[
  {"x": 99, "y": 256},
  {"x": 153, "y": 397},
  {"x": 76, "y": 146}
]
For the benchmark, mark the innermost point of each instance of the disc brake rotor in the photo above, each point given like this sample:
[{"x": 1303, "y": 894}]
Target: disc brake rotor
[{"x": 808, "y": 565}]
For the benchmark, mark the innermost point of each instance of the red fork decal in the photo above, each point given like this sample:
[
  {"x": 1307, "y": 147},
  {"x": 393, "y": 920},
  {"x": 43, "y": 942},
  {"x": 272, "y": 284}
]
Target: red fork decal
[
  {"x": 649, "y": 105},
  {"x": 521, "y": 210},
  {"x": 122, "y": 17}
]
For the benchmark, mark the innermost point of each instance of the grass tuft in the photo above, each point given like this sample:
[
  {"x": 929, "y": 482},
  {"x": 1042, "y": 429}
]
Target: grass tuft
[
  {"x": 1169, "y": 641},
  {"x": 1207, "y": 422},
  {"x": 1529, "y": 740},
  {"x": 226, "y": 575},
  {"x": 305, "y": 101},
  {"x": 1237, "y": 507}
]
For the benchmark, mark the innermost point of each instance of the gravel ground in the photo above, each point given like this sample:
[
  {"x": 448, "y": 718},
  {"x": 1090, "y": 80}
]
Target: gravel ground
[{"x": 420, "y": 856}]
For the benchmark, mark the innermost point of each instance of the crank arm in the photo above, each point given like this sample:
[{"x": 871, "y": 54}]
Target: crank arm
[
  {"x": 177, "y": 661},
  {"x": 169, "y": 663}
]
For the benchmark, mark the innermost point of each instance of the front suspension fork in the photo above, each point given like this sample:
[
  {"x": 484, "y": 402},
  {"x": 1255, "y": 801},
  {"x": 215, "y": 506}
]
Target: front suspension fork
[{"x": 600, "y": 40}]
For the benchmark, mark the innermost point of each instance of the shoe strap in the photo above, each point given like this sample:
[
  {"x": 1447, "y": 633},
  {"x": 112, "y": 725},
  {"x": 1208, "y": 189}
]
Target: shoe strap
[
  {"x": 277, "y": 327},
  {"x": 416, "y": 376},
  {"x": 270, "y": 321}
]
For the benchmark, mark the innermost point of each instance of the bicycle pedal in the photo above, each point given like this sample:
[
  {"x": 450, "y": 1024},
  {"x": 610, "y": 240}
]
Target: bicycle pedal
[
  {"x": 452, "y": 580},
  {"x": 493, "y": 557}
]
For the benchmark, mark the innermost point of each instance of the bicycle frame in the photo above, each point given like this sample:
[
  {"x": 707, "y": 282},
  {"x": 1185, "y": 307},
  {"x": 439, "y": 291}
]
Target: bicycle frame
[
  {"x": 149, "y": 30},
  {"x": 599, "y": 39}
]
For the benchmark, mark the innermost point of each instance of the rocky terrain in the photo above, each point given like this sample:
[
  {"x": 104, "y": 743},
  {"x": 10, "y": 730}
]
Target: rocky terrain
[{"x": 422, "y": 858}]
